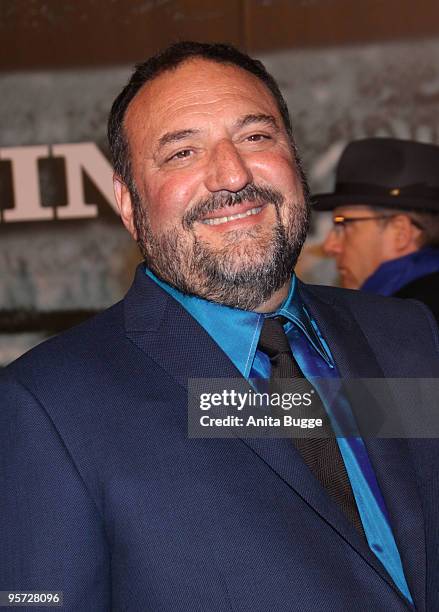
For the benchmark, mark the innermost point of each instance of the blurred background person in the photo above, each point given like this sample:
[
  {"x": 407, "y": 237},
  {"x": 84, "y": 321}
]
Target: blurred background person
[{"x": 385, "y": 207}]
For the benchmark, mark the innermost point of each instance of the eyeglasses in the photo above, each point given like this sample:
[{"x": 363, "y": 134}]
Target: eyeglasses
[{"x": 340, "y": 221}]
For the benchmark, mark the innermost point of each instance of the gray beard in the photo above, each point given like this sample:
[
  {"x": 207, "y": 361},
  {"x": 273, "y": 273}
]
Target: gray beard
[{"x": 235, "y": 276}]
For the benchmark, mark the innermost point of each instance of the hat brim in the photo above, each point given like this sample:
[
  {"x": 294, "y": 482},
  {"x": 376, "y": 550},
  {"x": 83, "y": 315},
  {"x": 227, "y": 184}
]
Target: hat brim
[{"x": 329, "y": 201}]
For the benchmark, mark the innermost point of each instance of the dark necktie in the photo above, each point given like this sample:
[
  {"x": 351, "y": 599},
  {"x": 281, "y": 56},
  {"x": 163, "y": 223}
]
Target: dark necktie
[{"x": 321, "y": 455}]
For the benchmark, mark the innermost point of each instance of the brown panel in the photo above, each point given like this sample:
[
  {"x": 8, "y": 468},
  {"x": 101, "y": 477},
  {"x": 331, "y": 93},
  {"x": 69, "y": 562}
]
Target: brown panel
[
  {"x": 272, "y": 24},
  {"x": 65, "y": 33}
]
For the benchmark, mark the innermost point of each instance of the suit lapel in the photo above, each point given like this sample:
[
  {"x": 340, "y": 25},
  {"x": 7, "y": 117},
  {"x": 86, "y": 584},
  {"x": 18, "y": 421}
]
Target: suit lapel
[
  {"x": 349, "y": 347},
  {"x": 395, "y": 474},
  {"x": 162, "y": 328},
  {"x": 390, "y": 458}
]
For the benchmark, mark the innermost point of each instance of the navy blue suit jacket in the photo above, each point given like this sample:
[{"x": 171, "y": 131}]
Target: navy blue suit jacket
[{"x": 104, "y": 497}]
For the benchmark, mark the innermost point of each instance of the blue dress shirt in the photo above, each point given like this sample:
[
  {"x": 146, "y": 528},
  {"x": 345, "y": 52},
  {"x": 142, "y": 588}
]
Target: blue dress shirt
[{"x": 237, "y": 333}]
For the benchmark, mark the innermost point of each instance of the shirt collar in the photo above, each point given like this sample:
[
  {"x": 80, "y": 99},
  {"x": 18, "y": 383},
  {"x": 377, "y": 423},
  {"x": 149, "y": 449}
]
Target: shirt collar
[{"x": 237, "y": 331}]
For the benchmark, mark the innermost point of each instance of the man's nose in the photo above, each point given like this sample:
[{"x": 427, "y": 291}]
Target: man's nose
[
  {"x": 227, "y": 170},
  {"x": 332, "y": 244}
]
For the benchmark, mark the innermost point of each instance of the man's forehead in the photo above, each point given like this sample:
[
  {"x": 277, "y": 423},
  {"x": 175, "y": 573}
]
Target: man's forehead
[{"x": 194, "y": 85}]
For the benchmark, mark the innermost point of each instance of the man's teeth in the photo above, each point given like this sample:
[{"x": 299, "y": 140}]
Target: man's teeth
[{"x": 218, "y": 220}]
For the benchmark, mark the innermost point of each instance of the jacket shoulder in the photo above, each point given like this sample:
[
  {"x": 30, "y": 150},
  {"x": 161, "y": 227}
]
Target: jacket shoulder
[
  {"x": 425, "y": 289},
  {"x": 383, "y": 320},
  {"x": 370, "y": 305},
  {"x": 85, "y": 342}
]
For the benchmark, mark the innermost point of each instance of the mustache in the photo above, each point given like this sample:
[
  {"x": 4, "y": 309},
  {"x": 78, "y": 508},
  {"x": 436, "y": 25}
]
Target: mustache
[{"x": 217, "y": 201}]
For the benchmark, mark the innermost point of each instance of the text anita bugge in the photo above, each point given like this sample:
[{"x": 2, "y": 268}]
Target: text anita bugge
[{"x": 263, "y": 422}]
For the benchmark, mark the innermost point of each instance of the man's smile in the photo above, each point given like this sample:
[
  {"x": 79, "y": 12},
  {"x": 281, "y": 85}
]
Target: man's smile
[{"x": 235, "y": 212}]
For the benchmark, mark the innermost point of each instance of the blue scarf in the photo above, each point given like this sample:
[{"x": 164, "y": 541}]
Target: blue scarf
[{"x": 392, "y": 275}]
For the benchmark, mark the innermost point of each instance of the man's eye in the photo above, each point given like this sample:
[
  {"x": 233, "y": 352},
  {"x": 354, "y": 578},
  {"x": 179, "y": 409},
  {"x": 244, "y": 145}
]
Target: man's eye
[
  {"x": 183, "y": 154},
  {"x": 258, "y": 137}
]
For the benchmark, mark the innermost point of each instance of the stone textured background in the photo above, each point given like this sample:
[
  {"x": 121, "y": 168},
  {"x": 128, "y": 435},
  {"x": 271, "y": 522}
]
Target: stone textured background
[{"x": 335, "y": 94}]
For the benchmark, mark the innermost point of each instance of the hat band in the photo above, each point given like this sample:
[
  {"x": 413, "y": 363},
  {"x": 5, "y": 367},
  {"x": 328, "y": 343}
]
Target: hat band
[{"x": 418, "y": 190}]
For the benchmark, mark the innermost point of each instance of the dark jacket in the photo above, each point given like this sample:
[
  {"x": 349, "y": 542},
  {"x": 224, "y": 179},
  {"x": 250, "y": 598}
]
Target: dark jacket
[
  {"x": 424, "y": 289},
  {"x": 104, "y": 496}
]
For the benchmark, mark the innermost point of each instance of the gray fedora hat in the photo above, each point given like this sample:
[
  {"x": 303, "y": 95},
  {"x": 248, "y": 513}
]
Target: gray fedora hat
[{"x": 387, "y": 172}]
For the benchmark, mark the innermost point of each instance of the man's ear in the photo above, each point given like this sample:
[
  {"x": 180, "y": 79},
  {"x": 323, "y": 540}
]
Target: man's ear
[
  {"x": 124, "y": 204},
  {"x": 405, "y": 234}
]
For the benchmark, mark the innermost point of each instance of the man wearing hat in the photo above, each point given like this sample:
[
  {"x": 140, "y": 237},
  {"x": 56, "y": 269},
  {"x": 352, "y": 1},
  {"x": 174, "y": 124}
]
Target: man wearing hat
[{"x": 385, "y": 235}]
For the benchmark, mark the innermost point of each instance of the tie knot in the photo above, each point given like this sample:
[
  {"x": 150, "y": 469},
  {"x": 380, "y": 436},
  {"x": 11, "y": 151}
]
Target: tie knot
[{"x": 273, "y": 340}]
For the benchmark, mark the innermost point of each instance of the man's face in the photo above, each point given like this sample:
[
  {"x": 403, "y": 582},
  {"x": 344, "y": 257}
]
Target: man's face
[
  {"x": 358, "y": 247},
  {"x": 219, "y": 206}
]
